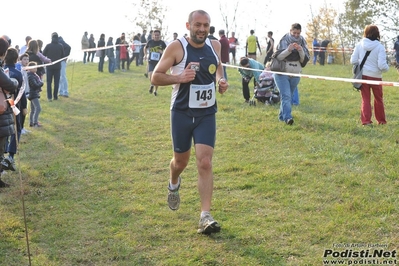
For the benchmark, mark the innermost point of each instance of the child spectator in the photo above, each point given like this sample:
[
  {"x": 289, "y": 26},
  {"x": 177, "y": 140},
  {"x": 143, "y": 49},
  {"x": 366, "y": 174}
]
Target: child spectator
[
  {"x": 35, "y": 86},
  {"x": 265, "y": 75},
  {"x": 23, "y": 62}
]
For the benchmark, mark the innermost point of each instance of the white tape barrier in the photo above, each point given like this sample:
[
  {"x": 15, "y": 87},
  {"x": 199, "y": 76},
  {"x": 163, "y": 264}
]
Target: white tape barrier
[
  {"x": 85, "y": 50},
  {"x": 106, "y": 47},
  {"x": 373, "y": 82},
  {"x": 44, "y": 65},
  {"x": 336, "y": 50}
]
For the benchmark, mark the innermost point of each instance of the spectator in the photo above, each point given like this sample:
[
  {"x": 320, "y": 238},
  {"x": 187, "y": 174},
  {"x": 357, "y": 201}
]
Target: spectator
[
  {"x": 396, "y": 47},
  {"x": 149, "y": 37},
  {"x": 124, "y": 53},
  {"x": 136, "y": 50},
  {"x": 7, "y": 118},
  {"x": 33, "y": 51},
  {"x": 10, "y": 60},
  {"x": 293, "y": 50},
  {"x": 373, "y": 68},
  {"x": 225, "y": 50},
  {"x": 35, "y": 85},
  {"x": 211, "y": 32},
  {"x": 269, "y": 48},
  {"x": 63, "y": 79},
  {"x": 101, "y": 52},
  {"x": 23, "y": 62},
  {"x": 92, "y": 45},
  {"x": 253, "y": 69},
  {"x": 85, "y": 45},
  {"x": 25, "y": 47},
  {"x": 40, "y": 53},
  {"x": 110, "y": 55},
  {"x": 54, "y": 51},
  {"x": 143, "y": 43},
  {"x": 233, "y": 42},
  {"x": 117, "y": 51},
  {"x": 8, "y": 39},
  {"x": 316, "y": 50},
  {"x": 323, "y": 50}
]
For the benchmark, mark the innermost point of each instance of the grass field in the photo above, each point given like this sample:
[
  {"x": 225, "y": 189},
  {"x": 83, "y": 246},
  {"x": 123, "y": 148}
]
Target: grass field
[{"x": 94, "y": 178}]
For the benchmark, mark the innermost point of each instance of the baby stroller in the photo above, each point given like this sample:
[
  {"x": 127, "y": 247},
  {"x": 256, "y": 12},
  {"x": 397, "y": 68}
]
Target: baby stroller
[{"x": 265, "y": 92}]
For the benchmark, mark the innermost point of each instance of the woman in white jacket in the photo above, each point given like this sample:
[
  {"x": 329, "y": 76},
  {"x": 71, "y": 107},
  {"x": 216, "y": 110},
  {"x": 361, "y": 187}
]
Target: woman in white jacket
[{"x": 375, "y": 64}]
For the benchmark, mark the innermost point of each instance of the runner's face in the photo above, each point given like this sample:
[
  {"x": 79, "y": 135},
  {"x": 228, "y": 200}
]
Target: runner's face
[
  {"x": 199, "y": 28},
  {"x": 156, "y": 36}
]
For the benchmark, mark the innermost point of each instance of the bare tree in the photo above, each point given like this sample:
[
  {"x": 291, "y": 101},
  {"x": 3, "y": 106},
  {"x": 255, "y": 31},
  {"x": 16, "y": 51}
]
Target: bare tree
[
  {"x": 387, "y": 14},
  {"x": 229, "y": 15},
  {"x": 149, "y": 14}
]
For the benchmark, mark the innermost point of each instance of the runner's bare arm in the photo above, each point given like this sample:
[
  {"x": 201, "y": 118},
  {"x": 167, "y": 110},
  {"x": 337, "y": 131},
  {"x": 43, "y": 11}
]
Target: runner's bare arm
[{"x": 172, "y": 55}]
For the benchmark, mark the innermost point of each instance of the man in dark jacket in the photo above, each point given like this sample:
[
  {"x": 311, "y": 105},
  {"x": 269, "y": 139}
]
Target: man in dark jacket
[
  {"x": 323, "y": 50},
  {"x": 9, "y": 86},
  {"x": 63, "y": 79},
  {"x": 55, "y": 52}
]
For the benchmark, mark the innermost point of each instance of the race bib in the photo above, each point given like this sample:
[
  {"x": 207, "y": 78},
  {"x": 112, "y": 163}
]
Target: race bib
[
  {"x": 202, "y": 96},
  {"x": 155, "y": 56}
]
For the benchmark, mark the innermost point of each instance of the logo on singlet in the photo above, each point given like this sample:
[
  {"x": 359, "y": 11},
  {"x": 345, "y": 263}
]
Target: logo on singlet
[{"x": 212, "y": 69}]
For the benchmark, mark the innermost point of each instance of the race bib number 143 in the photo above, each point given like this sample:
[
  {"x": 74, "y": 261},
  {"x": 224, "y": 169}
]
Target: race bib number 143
[{"x": 202, "y": 96}]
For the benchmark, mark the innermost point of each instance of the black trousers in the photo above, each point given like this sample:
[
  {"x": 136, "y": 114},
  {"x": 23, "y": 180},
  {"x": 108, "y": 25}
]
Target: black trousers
[
  {"x": 245, "y": 88},
  {"x": 322, "y": 58}
]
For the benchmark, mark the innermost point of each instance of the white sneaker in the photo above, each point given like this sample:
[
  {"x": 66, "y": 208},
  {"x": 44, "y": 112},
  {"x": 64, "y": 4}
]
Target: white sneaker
[
  {"x": 24, "y": 131},
  {"x": 174, "y": 197},
  {"x": 208, "y": 225}
]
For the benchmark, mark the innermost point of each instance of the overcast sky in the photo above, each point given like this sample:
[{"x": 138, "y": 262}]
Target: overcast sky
[{"x": 111, "y": 18}]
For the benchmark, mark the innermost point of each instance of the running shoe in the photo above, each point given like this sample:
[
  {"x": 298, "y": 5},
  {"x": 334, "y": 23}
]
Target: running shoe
[
  {"x": 208, "y": 225},
  {"x": 8, "y": 164},
  {"x": 173, "y": 197}
]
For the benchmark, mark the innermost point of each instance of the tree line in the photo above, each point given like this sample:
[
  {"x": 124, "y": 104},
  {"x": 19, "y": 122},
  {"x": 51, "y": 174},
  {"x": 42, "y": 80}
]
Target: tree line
[{"x": 345, "y": 29}]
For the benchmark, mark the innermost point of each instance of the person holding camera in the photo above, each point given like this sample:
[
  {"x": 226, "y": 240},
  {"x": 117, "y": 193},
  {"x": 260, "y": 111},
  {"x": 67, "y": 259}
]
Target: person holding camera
[
  {"x": 196, "y": 74},
  {"x": 293, "y": 50}
]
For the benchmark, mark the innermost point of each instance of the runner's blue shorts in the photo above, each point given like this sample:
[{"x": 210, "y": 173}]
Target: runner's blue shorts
[{"x": 185, "y": 129}]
